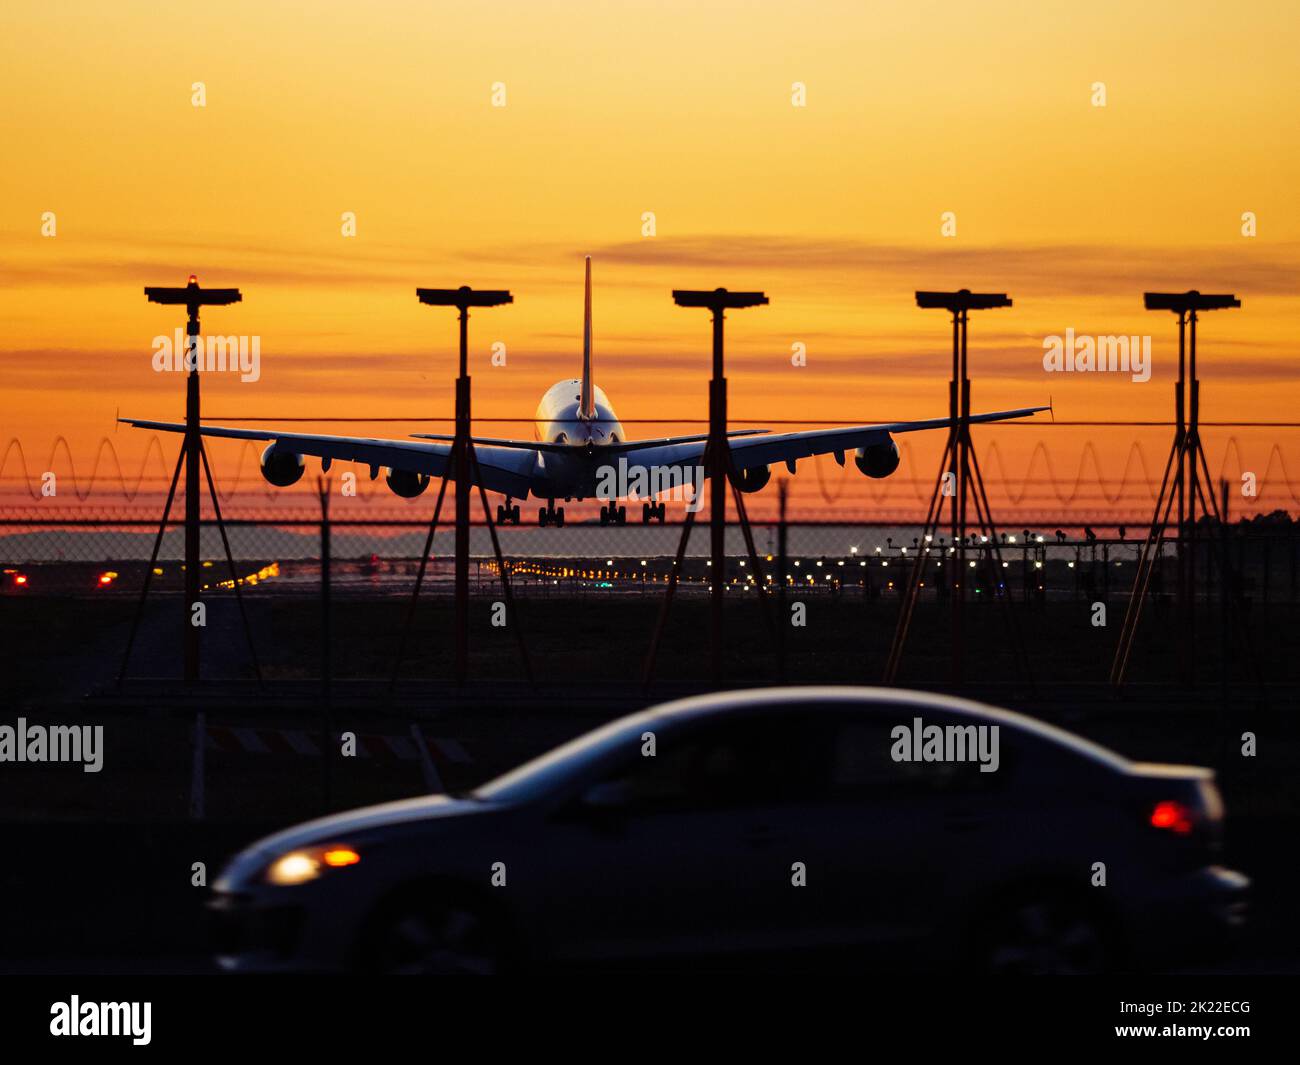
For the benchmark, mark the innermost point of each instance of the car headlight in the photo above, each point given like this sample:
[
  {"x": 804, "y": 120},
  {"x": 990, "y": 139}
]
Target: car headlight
[{"x": 299, "y": 866}]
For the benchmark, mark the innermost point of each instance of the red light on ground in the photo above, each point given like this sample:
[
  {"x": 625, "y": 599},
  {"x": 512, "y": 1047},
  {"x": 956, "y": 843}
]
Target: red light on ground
[
  {"x": 193, "y": 280},
  {"x": 20, "y": 579},
  {"x": 105, "y": 578},
  {"x": 1172, "y": 815}
]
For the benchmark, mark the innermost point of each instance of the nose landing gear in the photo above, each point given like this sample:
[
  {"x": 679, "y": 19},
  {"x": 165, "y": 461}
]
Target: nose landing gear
[
  {"x": 550, "y": 515},
  {"x": 508, "y": 514},
  {"x": 611, "y": 514},
  {"x": 653, "y": 512}
]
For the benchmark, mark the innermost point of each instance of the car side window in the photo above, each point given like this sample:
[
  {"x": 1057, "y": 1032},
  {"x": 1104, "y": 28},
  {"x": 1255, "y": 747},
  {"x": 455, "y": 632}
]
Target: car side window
[
  {"x": 872, "y": 760},
  {"x": 658, "y": 781},
  {"x": 768, "y": 759}
]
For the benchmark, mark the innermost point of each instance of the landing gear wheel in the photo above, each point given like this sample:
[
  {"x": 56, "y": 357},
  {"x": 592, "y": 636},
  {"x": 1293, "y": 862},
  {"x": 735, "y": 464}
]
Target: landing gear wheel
[
  {"x": 622, "y": 516},
  {"x": 559, "y": 517},
  {"x": 543, "y": 519},
  {"x": 647, "y": 512}
]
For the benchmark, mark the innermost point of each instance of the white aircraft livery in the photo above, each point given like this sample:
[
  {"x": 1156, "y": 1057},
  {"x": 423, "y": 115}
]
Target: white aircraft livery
[{"x": 580, "y": 442}]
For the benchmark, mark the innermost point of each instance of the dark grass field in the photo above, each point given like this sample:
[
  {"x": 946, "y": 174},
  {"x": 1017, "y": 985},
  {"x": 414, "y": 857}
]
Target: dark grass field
[{"x": 48, "y": 644}]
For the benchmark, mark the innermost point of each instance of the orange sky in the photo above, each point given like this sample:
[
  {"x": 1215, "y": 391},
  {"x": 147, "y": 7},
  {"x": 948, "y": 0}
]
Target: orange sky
[{"x": 613, "y": 110}]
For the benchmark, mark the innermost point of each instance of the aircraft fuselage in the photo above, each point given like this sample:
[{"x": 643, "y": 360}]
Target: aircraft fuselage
[{"x": 559, "y": 421}]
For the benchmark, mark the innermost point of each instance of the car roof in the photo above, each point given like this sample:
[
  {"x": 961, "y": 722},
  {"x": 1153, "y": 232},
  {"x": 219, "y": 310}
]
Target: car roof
[
  {"x": 864, "y": 697},
  {"x": 592, "y": 746}
]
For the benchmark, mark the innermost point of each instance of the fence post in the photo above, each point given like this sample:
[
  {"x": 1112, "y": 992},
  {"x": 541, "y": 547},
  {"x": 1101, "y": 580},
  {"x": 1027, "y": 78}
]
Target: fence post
[
  {"x": 783, "y": 615},
  {"x": 326, "y": 639},
  {"x": 1105, "y": 573},
  {"x": 198, "y": 767},
  {"x": 429, "y": 771}
]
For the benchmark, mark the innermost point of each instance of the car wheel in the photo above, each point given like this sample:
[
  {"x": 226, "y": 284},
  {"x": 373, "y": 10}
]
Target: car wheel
[
  {"x": 1045, "y": 936},
  {"x": 445, "y": 936}
]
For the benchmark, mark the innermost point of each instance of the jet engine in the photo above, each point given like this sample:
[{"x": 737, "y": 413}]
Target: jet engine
[
  {"x": 281, "y": 468},
  {"x": 753, "y": 478},
  {"x": 406, "y": 484},
  {"x": 878, "y": 460}
]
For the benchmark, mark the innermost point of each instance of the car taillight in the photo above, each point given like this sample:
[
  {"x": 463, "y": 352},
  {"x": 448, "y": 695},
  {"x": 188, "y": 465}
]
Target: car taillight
[{"x": 1174, "y": 817}]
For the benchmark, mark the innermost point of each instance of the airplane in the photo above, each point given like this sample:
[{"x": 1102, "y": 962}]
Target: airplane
[{"x": 579, "y": 441}]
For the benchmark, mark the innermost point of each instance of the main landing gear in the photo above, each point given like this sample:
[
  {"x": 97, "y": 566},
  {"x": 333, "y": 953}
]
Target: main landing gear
[
  {"x": 550, "y": 515},
  {"x": 508, "y": 514},
  {"x": 653, "y": 512},
  {"x": 613, "y": 515}
]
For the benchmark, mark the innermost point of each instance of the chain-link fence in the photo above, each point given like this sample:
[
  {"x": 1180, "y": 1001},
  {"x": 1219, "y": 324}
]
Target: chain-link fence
[{"x": 43, "y": 556}]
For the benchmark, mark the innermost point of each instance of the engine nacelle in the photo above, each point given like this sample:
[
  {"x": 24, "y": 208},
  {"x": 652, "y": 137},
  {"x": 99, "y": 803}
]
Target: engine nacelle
[
  {"x": 281, "y": 468},
  {"x": 878, "y": 460},
  {"x": 406, "y": 484},
  {"x": 753, "y": 478}
]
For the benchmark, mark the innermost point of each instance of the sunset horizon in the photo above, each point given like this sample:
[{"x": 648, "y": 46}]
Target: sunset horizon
[{"x": 837, "y": 188}]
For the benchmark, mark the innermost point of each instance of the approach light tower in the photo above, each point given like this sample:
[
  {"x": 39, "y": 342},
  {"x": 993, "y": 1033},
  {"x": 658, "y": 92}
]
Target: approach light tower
[
  {"x": 192, "y": 297},
  {"x": 717, "y": 455},
  {"x": 959, "y": 480},
  {"x": 1187, "y": 459},
  {"x": 463, "y": 299}
]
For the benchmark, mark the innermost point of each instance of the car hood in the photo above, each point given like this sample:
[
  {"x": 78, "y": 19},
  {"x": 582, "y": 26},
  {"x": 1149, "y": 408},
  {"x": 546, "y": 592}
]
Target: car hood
[{"x": 344, "y": 827}]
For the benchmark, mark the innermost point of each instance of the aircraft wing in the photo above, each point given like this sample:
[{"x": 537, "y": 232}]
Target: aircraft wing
[
  {"x": 507, "y": 470},
  {"x": 770, "y": 448}
]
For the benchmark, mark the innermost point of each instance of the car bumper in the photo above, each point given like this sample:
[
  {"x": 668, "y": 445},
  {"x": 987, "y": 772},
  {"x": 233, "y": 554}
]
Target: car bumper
[
  {"x": 1198, "y": 916},
  {"x": 249, "y": 933}
]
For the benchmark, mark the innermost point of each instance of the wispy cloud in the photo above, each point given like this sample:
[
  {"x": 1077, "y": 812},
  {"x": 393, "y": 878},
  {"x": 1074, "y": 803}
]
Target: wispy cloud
[
  {"x": 1073, "y": 270},
  {"x": 1062, "y": 271}
]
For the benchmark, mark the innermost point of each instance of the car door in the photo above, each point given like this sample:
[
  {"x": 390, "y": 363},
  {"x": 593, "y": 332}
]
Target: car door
[
  {"x": 690, "y": 850},
  {"x": 905, "y": 841}
]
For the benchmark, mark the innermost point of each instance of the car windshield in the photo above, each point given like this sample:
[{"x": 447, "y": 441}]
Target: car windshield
[{"x": 549, "y": 771}]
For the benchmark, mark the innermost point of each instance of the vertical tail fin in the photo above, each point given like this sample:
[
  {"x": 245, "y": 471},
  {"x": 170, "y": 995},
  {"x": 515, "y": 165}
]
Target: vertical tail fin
[{"x": 587, "y": 401}]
